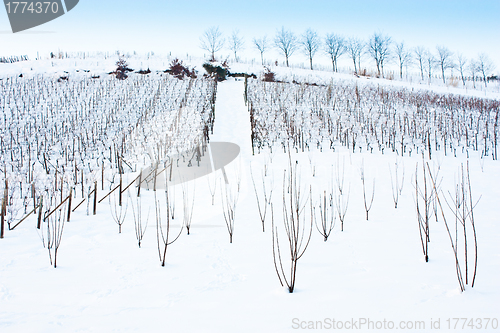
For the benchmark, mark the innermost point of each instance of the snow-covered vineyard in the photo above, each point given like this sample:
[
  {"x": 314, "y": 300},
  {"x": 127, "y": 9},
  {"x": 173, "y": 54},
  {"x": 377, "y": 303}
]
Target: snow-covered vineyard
[
  {"x": 365, "y": 117},
  {"x": 352, "y": 198},
  {"x": 79, "y": 131}
]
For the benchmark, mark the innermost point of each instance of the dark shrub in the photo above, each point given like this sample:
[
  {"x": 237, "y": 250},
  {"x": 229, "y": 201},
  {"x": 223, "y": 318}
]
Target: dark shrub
[
  {"x": 269, "y": 76},
  {"x": 217, "y": 72},
  {"x": 178, "y": 70},
  {"x": 122, "y": 69}
]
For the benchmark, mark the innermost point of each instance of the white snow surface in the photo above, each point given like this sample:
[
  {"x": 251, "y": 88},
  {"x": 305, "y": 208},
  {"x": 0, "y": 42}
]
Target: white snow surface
[{"x": 373, "y": 269}]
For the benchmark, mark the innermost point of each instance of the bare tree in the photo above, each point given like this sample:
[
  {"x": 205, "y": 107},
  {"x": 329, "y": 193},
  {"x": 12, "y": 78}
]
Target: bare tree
[
  {"x": 55, "y": 227},
  {"x": 212, "y": 188},
  {"x": 212, "y": 41},
  {"x": 471, "y": 207},
  {"x": 326, "y": 215},
  {"x": 355, "y": 48},
  {"x": 462, "y": 63},
  {"x": 484, "y": 66},
  {"x": 295, "y": 224},
  {"x": 187, "y": 205},
  {"x": 262, "y": 45},
  {"x": 342, "y": 199},
  {"x": 267, "y": 198},
  {"x": 396, "y": 183},
  {"x": 473, "y": 71},
  {"x": 236, "y": 43},
  {"x": 140, "y": 230},
  {"x": 368, "y": 203},
  {"x": 404, "y": 57},
  {"x": 424, "y": 196},
  {"x": 286, "y": 42},
  {"x": 420, "y": 56},
  {"x": 115, "y": 205},
  {"x": 379, "y": 50},
  {"x": 229, "y": 201},
  {"x": 431, "y": 64},
  {"x": 310, "y": 43},
  {"x": 163, "y": 236},
  {"x": 444, "y": 59},
  {"x": 462, "y": 206},
  {"x": 335, "y": 47}
]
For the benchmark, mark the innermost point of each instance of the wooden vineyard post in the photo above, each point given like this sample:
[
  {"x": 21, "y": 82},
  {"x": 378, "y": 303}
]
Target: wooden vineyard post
[
  {"x": 95, "y": 197},
  {"x": 62, "y": 187},
  {"x": 5, "y": 202},
  {"x": 69, "y": 203},
  {"x": 33, "y": 194},
  {"x": 102, "y": 176},
  {"x": 2, "y": 222},
  {"x": 82, "y": 183},
  {"x": 120, "y": 192},
  {"x": 39, "y": 222},
  {"x": 139, "y": 187}
]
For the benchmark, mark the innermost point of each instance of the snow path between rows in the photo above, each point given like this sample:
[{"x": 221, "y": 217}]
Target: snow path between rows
[{"x": 232, "y": 120}]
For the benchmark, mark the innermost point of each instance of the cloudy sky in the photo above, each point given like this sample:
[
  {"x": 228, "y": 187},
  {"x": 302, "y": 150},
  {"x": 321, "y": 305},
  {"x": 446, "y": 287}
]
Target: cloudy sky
[{"x": 469, "y": 27}]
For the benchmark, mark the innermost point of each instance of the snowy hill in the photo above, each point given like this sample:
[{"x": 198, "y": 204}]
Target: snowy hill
[{"x": 371, "y": 275}]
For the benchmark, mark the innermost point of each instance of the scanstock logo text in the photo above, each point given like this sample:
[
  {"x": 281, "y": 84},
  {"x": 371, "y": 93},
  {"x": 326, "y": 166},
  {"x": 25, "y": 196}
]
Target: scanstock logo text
[{"x": 28, "y": 14}]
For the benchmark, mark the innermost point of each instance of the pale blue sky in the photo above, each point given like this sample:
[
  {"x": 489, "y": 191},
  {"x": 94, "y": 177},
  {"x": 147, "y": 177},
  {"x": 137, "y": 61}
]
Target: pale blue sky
[{"x": 469, "y": 27}]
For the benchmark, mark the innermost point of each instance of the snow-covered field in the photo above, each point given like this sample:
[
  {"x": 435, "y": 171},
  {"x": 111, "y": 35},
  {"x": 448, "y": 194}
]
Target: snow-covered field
[{"x": 374, "y": 270}]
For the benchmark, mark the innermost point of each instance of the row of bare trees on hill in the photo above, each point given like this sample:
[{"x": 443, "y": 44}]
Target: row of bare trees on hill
[{"x": 379, "y": 48}]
